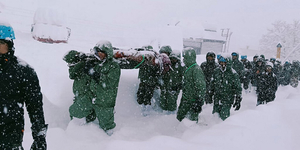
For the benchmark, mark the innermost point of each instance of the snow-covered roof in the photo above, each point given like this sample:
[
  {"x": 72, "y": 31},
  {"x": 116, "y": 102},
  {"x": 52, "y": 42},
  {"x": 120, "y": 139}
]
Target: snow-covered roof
[
  {"x": 49, "y": 16},
  {"x": 203, "y": 31}
]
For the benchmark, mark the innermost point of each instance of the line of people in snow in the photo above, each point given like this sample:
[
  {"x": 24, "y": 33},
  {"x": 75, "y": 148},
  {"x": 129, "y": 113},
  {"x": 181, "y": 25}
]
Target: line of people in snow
[{"x": 96, "y": 78}]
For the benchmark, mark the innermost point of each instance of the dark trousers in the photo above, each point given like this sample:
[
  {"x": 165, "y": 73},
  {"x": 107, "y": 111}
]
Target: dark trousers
[
  {"x": 145, "y": 93},
  {"x": 264, "y": 97}
]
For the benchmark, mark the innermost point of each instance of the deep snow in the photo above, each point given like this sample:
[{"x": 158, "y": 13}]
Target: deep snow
[{"x": 273, "y": 126}]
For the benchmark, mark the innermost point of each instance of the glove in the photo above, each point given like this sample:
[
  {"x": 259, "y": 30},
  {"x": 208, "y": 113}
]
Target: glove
[
  {"x": 39, "y": 137},
  {"x": 237, "y": 104},
  {"x": 208, "y": 99},
  {"x": 196, "y": 106},
  {"x": 82, "y": 56},
  {"x": 88, "y": 66},
  {"x": 175, "y": 88}
]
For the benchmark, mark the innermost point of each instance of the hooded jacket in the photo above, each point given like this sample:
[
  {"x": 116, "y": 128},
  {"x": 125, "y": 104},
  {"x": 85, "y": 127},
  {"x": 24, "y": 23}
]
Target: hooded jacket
[
  {"x": 194, "y": 85},
  {"x": 175, "y": 74},
  {"x": 19, "y": 86},
  {"x": 238, "y": 65},
  {"x": 77, "y": 68},
  {"x": 105, "y": 79},
  {"x": 208, "y": 69},
  {"x": 225, "y": 84}
]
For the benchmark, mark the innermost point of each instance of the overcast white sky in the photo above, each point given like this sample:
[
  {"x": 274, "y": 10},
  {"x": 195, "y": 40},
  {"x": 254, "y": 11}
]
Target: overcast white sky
[{"x": 247, "y": 19}]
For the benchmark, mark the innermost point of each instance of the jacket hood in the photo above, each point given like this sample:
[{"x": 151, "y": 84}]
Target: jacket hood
[
  {"x": 228, "y": 62},
  {"x": 165, "y": 49},
  {"x": 175, "y": 55},
  {"x": 189, "y": 56}
]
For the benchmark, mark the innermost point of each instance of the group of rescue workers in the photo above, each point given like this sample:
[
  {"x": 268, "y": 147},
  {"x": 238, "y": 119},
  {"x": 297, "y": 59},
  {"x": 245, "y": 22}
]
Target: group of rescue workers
[
  {"x": 217, "y": 82},
  {"x": 96, "y": 79}
]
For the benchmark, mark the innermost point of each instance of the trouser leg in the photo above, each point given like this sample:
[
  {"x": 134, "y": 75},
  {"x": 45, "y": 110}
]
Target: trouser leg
[
  {"x": 183, "y": 109},
  {"x": 105, "y": 117},
  {"x": 81, "y": 107},
  {"x": 225, "y": 111}
]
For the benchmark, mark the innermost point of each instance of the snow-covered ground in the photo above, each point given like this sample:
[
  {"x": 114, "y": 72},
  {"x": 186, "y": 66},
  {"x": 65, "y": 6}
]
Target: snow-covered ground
[{"x": 273, "y": 126}]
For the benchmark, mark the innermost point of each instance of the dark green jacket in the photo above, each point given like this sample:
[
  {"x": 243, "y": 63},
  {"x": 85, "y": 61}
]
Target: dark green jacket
[
  {"x": 225, "y": 84},
  {"x": 105, "y": 88},
  {"x": 81, "y": 80},
  {"x": 149, "y": 74},
  {"x": 173, "y": 78},
  {"x": 238, "y": 66},
  {"x": 105, "y": 80},
  {"x": 194, "y": 85}
]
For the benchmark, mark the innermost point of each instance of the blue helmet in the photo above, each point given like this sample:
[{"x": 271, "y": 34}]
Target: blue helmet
[
  {"x": 244, "y": 57},
  {"x": 6, "y": 32},
  {"x": 222, "y": 59}
]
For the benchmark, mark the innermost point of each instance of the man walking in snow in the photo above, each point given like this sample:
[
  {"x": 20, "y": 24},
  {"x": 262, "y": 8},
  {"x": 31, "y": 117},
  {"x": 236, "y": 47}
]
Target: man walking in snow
[
  {"x": 245, "y": 79},
  {"x": 237, "y": 65},
  {"x": 171, "y": 82},
  {"x": 226, "y": 89},
  {"x": 257, "y": 71},
  {"x": 19, "y": 86},
  {"x": 208, "y": 68},
  {"x": 267, "y": 85},
  {"x": 148, "y": 74},
  {"x": 103, "y": 80},
  {"x": 194, "y": 87}
]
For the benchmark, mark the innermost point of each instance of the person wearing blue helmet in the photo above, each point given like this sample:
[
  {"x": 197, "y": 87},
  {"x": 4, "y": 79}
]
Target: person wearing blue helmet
[
  {"x": 225, "y": 88},
  {"x": 245, "y": 79},
  {"x": 237, "y": 65},
  {"x": 19, "y": 87}
]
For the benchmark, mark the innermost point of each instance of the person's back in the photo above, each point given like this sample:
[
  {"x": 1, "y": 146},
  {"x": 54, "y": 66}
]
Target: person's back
[
  {"x": 148, "y": 75},
  {"x": 286, "y": 74},
  {"x": 193, "y": 89},
  {"x": 245, "y": 79},
  {"x": 171, "y": 84},
  {"x": 176, "y": 73},
  {"x": 19, "y": 86}
]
